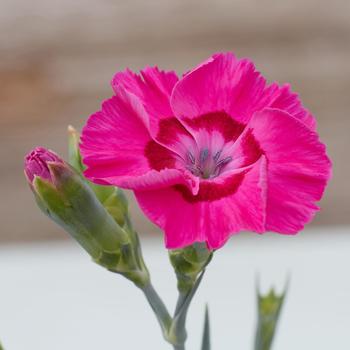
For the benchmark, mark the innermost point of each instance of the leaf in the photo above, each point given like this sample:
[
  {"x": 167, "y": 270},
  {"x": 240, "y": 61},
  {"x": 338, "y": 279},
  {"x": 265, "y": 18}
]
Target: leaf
[
  {"x": 269, "y": 310},
  {"x": 206, "y": 331}
]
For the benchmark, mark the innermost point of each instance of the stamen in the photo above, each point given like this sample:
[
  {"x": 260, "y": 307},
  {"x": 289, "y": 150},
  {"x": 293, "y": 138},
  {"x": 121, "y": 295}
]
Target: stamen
[
  {"x": 204, "y": 167},
  {"x": 191, "y": 157},
  {"x": 217, "y": 156},
  {"x": 224, "y": 161},
  {"x": 203, "y": 155},
  {"x": 190, "y": 168},
  {"x": 215, "y": 174},
  {"x": 195, "y": 170}
]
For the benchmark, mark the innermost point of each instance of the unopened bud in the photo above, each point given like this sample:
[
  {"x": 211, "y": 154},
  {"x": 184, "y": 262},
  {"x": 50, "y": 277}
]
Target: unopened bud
[
  {"x": 188, "y": 263},
  {"x": 36, "y": 164},
  {"x": 65, "y": 197}
]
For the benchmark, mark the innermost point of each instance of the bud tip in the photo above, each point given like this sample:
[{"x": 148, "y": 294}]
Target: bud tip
[
  {"x": 71, "y": 129},
  {"x": 36, "y": 163}
]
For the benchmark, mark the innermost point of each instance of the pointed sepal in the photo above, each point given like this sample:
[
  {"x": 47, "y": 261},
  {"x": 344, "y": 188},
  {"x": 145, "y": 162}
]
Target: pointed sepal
[
  {"x": 74, "y": 156},
  {"x": 269, "y": 310},
  {"x": 206, "y": 345}
]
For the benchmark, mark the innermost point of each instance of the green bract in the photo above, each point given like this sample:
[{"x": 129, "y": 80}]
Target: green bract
[
  {"x": 72, "y": 204},
  {"x": 269, "y": 309},
  {"x": 188, "y": 263}
]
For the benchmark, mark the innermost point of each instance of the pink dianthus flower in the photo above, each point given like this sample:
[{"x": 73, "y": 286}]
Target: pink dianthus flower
[{"x": 210, "y": 154}]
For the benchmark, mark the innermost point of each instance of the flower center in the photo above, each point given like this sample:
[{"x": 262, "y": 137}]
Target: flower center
[{"x": 206, "y": 164}]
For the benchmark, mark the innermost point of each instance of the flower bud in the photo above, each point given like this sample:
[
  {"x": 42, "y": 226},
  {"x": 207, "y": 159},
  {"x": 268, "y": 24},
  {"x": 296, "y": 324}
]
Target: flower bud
[
  {"x": 67, "y": 199},
  {"x": 188, "y": 263},
  {"x": 36, "y": 163}
]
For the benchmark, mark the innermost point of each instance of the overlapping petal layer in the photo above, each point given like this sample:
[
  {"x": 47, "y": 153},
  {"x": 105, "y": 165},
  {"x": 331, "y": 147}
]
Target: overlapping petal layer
[
  {"x": 153, "y": 87},
  {"x": 113, "y": 147},
  {"x": 297, "y": 172},
  {"x": 219, "y": 209},
  {"x": 281, "y": 97},
  {"x": 227, "y": 84},
  {"x": 211, "y": 154},
  {"x": 222, "y": 84}
]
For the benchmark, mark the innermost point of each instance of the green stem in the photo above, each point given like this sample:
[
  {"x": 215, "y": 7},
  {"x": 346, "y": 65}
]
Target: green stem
[
  {"x": 177, "y": 331},
  {"x": 180, "y": 328},
  {"x": 159, "y": 309},
  {"x": 179, "y": 347},
  {"x": 180, "y": 300}
]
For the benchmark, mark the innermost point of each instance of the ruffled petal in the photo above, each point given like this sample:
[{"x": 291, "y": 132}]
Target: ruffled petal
[
  {"x": 114, "y": 139},
  {"x": 281, "y": 97},
  {"x": 242, "y": 210},
  {"x": 151, "y": 180},
  {"x": 298, "y": 169},
  {"x": 221, "y": 84},
  {"x": 214, "y": 213},
  {"x": 115, "y": 144},
  {"x": 153, "y": 87}
]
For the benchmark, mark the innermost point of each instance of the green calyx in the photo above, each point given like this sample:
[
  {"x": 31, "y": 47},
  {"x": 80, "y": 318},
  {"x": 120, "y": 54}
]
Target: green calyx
[
  {"x": 270, "y": 304},
  {"x": 115, "y": 203},
  {"x": 188, "y": 263},
  {"x": 72, "y": 204}
]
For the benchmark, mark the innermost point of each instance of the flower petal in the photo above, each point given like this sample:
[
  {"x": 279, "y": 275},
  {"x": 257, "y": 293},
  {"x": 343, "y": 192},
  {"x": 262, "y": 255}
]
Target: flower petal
[
  {"x": 281, "y": 97},
  {"x": 114, "y": 139},
  {"x": 298, "y": 169},
  {"x": 221, "y": 84},
  {"x": 114, "y": 147},
  {"x": 153, "y": 87},
  {"x": 151, "y": 180},
  {"x": 187, "y": 219},
  {"x": 232, "y": 214}
]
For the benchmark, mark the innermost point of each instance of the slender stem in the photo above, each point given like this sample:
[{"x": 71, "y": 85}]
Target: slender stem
[
  {"x": 180, "y": 330},
  {"x": 180, "y": 320},
  {"x": 180, "y": 300},
  {"x": 161, "y": 312},
  {"x": 178, "y": 327},
  {"x": 159, "y": 309},
  {"x": 179, "y": 347}
]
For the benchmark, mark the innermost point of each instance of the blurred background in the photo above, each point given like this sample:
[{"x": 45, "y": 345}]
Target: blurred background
[
  {"x": 56, "y": 61},
  {"x": 58, "y": 57}
]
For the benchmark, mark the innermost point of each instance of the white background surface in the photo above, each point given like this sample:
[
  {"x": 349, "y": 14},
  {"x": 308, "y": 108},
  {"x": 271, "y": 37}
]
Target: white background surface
[{"x": 53, "y": 298}]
